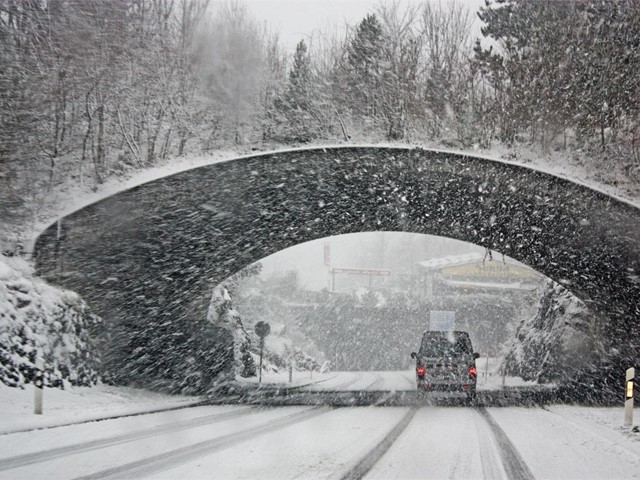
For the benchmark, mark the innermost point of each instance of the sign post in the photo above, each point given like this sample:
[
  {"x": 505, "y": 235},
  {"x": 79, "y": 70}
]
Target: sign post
[
  {"x": 262, "y": 329},
  {"x": 628, "y": 397},
  {"x": 327, "y": 254}
]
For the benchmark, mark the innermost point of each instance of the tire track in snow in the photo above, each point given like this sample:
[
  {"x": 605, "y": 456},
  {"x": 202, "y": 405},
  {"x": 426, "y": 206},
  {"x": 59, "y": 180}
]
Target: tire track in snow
[
  {"x": 348, "y": 383},
  {"x": 492, "y": 467},
  {"x": 340, "y": 386},
  {"x": 514, "y": 466},
  {"x": 158, "y": 463},
  {"x": 412, "y": 380},
  {"x": 378, "y": 380},
  {"x": 360, "y": 469},
  {"x": 44, "y": 455}
]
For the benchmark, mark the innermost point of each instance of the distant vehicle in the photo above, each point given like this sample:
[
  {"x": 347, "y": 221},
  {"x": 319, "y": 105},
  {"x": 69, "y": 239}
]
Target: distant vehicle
[{"x": 446, "y": 362}]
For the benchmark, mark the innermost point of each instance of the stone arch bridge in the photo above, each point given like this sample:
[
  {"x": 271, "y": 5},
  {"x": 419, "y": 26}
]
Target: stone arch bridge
[{"x": 154, "y": 252}]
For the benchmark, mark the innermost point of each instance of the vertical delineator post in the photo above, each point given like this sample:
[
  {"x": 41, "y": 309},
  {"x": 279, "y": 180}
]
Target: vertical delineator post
[
  {"x": 260, "y": 369},
  {"x": 628, "y": 396},
  {"x": 486, "y": 370},
  {"x": 38, "y": 385}
]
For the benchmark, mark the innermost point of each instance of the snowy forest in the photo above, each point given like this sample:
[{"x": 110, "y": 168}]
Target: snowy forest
[{"x": 92, "y": 90}]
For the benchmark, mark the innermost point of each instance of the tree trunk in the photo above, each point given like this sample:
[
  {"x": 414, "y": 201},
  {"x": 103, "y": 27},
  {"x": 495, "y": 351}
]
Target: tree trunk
[
  {"x": 99, "y": 158},
  {"x": 151, "y": 147}
]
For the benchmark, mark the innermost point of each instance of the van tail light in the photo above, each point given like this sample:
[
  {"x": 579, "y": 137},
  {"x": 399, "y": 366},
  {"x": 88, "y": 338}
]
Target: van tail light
[
  {"x": 472, "y": 370},
  {"x": 420, "y": 370}
]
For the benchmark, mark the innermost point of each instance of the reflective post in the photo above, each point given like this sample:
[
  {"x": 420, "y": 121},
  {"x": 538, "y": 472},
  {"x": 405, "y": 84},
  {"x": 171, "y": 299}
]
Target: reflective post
[
  {"x": 486, "y": 370},
  {"x": 38, "y": 385},
  {"x": 628, "y": 397},
  {"x": 260, "y": 369}
]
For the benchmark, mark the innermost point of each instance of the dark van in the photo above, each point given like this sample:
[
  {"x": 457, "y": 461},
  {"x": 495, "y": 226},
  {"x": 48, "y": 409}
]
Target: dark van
[{"x": 446, "y": 362}]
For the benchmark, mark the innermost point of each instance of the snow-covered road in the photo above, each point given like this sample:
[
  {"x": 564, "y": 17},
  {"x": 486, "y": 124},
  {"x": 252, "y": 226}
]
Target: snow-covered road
[
  {"x": 401, "y": 380},
  {"x": 321, "y": 442},
  {"x": 359, "y": 381}
]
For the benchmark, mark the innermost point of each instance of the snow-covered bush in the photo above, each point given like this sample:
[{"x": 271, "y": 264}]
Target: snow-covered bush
[
  {"x": 281, "y": 351},
  {"x": 275, "y": 302},
  {"x": 38, "y": 319},
  {"x": 560, "y": 340}
]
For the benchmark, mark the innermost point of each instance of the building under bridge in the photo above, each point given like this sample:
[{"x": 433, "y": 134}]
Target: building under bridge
[{"x": 476, "y": 273}]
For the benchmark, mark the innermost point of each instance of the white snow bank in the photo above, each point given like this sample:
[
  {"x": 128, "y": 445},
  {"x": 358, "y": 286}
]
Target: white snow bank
[{"x": 79, "y": 404}]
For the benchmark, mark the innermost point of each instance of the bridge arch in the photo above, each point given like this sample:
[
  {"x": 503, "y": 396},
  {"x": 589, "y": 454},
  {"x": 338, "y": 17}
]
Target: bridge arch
[{"x": 142, "y": 252}]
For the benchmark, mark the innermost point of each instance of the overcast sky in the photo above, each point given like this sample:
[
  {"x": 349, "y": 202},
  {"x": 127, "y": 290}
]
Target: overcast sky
[{"x": 298, "y": 19}]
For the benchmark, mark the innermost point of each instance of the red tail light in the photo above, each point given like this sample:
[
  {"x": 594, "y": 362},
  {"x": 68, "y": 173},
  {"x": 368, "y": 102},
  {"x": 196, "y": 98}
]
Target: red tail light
[
  {"x": 420, "y": 370},
  {"x": 472, "y": 370}
]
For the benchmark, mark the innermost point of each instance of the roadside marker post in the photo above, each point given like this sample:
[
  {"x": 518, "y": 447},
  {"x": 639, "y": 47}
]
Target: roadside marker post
[
  {"x": 260, "y": 367},
  {"x": 628, "y": 397},
  {"x": 486, "y": 370},
  {"x": 38, "y": 385}
]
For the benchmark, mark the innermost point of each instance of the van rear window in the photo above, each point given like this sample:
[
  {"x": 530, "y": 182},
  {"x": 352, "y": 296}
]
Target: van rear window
[{"x": 438, "y": 346}]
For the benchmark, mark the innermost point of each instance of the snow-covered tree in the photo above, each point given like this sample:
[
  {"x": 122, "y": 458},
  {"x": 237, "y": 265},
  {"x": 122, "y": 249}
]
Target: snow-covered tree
[
  {"x": 221, "y": 314},
  {"x": 365, "y": 59},
  {"x": 564, "y": 66},
  {"x": 299, "y": 118},
  {"x": 234, "y": 65}
]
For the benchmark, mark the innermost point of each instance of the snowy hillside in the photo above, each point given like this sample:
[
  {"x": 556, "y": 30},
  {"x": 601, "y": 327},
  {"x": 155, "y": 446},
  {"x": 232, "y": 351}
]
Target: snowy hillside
[{"x": 38, "y": 319}]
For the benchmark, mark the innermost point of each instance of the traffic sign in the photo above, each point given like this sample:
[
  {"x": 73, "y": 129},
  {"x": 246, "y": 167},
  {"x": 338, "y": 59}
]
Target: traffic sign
[{"x": 262, "y": 329}]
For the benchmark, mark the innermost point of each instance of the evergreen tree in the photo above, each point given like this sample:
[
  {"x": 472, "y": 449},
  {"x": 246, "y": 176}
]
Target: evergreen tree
[
  {"x": 364, "y": 67},
  {"x": 299, "y": 92},
  {"x": 298, "y": 119}
]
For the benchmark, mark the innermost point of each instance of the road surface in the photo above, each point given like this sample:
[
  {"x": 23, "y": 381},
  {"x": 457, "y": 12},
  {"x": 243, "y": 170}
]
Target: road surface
[{"x": 241, "y": 441}]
